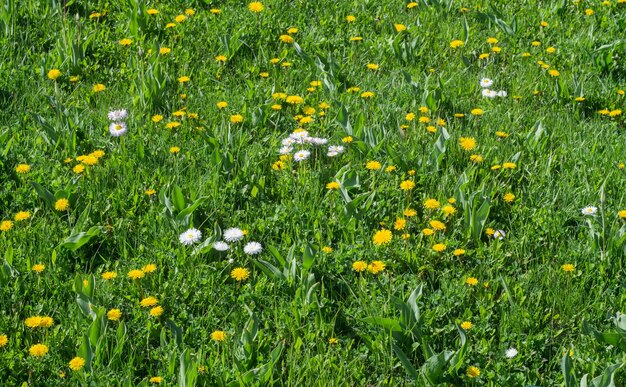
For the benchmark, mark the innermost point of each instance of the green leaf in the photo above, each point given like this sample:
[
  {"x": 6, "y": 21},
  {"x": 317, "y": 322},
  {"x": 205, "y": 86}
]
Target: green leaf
[
  {"x": 386, "y": 323},
  {"x": 75, "y": 241},
  {"x": 568, "y": 373},
  {"x": 433, "y": 369},
  {"x": 43, "y": 193},
  {"x": 85, "y": 351},
  {"x": 269, "y": 269},
  {"x": 479, "y": 218},
  {"x": 406, "y": 363},
  {"x": 178, "y": 199},
  {"x": 274, "y": 251},
  {"x": 308, "y": 258},
  {"x": 607, "y": 379},
  {"x": 8, "y": 255},
  {"x": 416, "y": 294},
  {"x": 190, "y": 209},
  {"x": 176, "y": 332}
]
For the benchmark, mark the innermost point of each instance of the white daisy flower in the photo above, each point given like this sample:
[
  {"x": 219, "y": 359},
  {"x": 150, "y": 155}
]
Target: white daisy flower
[
  {"x": 336, "y": 148},
  {"x": 499, "y": 234},
  {"x": 510, "y": 353},
  {"x": 286, "y": 150},
  {"x": 317, "y": 141},
  {"x": 118, "y": 129},
  {"x": 489, "y": 93},
  {"x": 331, "y": 154},
  {"x": 287, "y": 142},
  {"x": 220, "y": 246},
  {"x": 301, "y": 155},
  {"x": 253, "y": 248},
  {"x": 303, "y": 134},
  {"x": 486, "y": 82},
  {"x": 590, "y": 210},
  {"x": 233, "y": 234},
  {"x": 118, "y": 115},
  {"x": 190, "y": 236},
  {"x": 300, "y": 137}
]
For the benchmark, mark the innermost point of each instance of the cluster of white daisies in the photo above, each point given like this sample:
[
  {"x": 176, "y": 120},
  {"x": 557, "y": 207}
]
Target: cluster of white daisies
[
  {"x": 118, "y": 127},
  {"x": 301, "y": 137},
  {"x": 193, "y": 235},
  {"x": 486, "y": 83}
]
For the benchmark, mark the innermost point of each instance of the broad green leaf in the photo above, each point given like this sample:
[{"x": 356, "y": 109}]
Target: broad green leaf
[
  {"x": 75, "y": 241},
  {"x": 406, "y": 363},
  {"x": 178, "y": 199},
  {"x": 607, "y": 379},
  {"x": 568, "y": 372},
  {"x": 44, "y": 194},
  {"x": 308, "y": 257},
  {"x": 269, "y": 269},
  {"x": 386, "y": 323},
  {"x": 432, "y": 370}
]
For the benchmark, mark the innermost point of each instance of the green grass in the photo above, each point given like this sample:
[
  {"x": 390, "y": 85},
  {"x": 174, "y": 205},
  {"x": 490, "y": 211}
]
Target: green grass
[{"x": 399, "y": 326}]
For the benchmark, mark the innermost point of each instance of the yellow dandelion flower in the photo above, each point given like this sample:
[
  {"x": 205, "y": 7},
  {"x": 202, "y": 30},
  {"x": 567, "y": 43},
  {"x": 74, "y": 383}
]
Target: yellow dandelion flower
[
  {"x": 359, "y": 266},
  {"x": 568, "y": 267},
  {"x": 149, "y": 302},
  {"x": 407, "y": 185},
  {"x": 22, "y": 169},
  {"x": 98, "y": 87},
  {"x": 218, "y": 336},
  {"x": 240, "y": 274},
  {"x": 109, "y": 275},
  {"x": 448, "y": 209},
  {"x": 439, "y": 247},
  {"x": 431, "y": 204},
  {"x": 38, "y": 350},
  {"x": 382, "y": 237},
  {"x": 136, "y": 274},
  {"x": 373, "y": 165},
  {"x": 467, "y": 143},
  {"x": 6, "y": 225},
  {"x": 62, "y": 204},
  {"x": 399, "y": 27},
  {"x": 456, "y": 44},
  {"x": 21, "y": 216},
  {"x": 256, "y": 7},
  {"x": 376, "y": 267},
  {"x": 437, "y": 225},
  {"x": 471, "y": 281},
  {"x": 472, "y": 372},
  {"x": 399, "y": 224},
  {"x": 509, "y": 197},
  {"x": 77, "y": 363},
  {"x": 114, "y": 314},
  {"x": 156, "y": 311},
  {"x": 54, "y": 74}
]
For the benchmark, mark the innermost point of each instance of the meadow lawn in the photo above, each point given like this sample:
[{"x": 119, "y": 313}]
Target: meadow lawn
[{"x": 312, "y": 193}]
